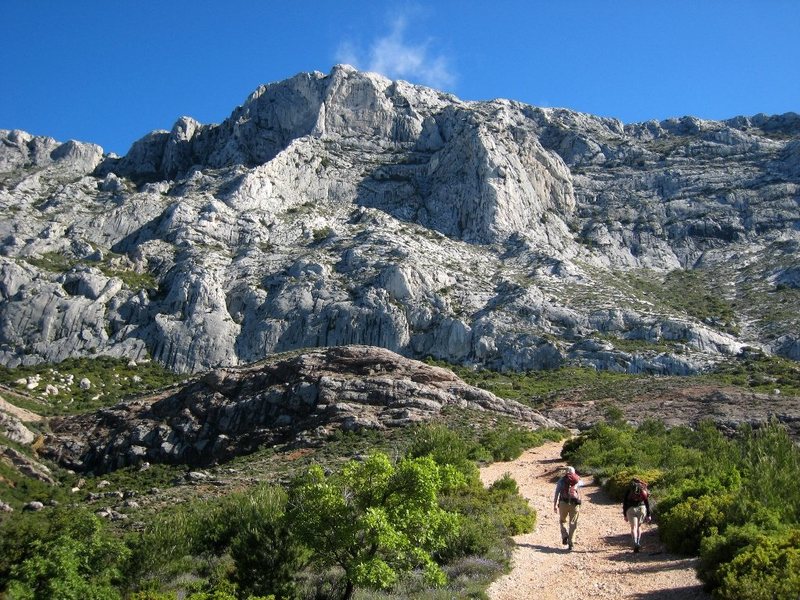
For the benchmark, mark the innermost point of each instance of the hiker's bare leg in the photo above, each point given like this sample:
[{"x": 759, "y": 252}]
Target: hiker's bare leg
[{"x": 635, "y": 516}]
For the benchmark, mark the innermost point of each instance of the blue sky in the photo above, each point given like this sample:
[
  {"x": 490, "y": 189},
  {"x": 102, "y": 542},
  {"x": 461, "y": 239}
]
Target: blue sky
[{"x": 109, "y": 72}]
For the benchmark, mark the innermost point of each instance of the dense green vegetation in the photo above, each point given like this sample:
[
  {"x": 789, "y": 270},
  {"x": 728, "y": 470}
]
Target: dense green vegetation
[
  {"x": 419, "y": 525},
  {"x": 734, "y": 502},
  {"x": 111, "y": 380}
]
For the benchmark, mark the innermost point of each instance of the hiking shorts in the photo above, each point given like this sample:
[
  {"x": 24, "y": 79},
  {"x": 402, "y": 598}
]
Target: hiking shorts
[{"x": 638, "y": 512}]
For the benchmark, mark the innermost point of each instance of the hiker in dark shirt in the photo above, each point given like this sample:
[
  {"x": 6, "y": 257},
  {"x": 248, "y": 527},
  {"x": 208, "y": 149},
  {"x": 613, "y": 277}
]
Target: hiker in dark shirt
[
  {"x": 566, "y": 503},
  {"x": 636, "y": 509}
]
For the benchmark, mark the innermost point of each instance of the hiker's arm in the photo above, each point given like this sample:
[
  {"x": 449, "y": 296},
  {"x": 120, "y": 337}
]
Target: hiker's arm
[{"x": 555, "y": 496}]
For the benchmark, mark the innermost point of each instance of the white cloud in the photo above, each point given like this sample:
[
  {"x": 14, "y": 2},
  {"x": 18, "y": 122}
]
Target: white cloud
[{"x": 394, "y": 56}]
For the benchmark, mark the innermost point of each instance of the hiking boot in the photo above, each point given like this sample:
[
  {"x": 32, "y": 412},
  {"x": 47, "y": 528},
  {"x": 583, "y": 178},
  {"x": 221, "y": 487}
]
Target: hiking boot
[
  {"x": 637, "y": 548},
  {"x": 565, "y": 540},
  {"x": 569, "y": 548}
]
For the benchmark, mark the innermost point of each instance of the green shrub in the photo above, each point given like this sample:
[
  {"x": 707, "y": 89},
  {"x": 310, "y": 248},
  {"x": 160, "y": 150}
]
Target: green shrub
[
  {"x": 446, "y": 447},
  {"x": 507, "y": 442},
  {"x": 65, "y": 553},
  {"x": 250, "y": 527},
  {"x": 683, "y": 526},
  {"x": 481, "y": 531},
  {"x": 766, "y": 568},
  {"x": 487, "y": 518},
  {"x": 374, "y": 520},
  {"x": 513, "y": 510},
  {"x": 770, "y": 467},
  {"x": 720, "y": 548}
]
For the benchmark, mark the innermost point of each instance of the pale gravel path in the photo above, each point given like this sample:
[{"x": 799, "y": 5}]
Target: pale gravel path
[{"x": 601, "y": 564}]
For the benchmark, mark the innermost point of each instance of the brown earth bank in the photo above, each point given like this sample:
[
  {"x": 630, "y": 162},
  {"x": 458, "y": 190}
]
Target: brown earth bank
[{"x": 602, "y": 564}]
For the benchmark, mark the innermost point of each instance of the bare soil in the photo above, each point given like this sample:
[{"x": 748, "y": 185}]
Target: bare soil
[
  {"x": 602, "y": 563},
  {"x": 22, "y": 414}
]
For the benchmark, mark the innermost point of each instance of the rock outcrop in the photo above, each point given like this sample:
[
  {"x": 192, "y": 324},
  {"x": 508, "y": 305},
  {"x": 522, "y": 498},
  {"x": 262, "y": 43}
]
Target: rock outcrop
[
  {"x": 350, "y": 209},
  {"x": 301, "y": 399}
]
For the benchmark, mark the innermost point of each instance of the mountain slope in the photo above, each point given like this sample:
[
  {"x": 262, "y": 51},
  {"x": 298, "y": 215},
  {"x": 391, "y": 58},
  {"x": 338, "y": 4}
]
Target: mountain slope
[{"x": 350, "y": 209}]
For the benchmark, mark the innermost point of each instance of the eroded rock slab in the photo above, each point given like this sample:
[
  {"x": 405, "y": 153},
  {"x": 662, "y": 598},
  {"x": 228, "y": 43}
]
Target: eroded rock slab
[{"x": 304, "y": 398}]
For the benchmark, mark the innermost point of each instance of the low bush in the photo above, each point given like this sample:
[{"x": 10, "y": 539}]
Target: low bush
[
  {"x": 684, "y": 525},
  {"x": 513, "y": 510},
  {"x": 766, "y": 568},
  {"x": 249, "y": 528},
  {"x": 446, "y": 447},
  {"x": 507, "y": 442}
]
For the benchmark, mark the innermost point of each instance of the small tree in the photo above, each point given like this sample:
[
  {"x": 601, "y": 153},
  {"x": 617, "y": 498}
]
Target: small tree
[{"x": 374, "y": 520}]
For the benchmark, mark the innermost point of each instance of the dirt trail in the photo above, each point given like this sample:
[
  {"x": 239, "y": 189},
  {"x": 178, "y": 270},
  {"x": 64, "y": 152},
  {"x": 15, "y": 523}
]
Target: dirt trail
[{"x": 602, "y": 564}]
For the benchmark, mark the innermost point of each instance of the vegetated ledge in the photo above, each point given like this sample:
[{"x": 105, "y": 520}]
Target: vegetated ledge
[
  {"x": 301, "y": 398},
  {"x": 729, "y": 408}
]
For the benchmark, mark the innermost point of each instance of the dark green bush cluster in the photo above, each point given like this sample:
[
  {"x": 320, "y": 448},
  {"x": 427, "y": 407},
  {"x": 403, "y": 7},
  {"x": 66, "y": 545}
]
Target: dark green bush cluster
[
  {"x": 60, "y": 553},
  {"x": 503, "y": 442},
  {"x": 243, "y": 539},
  {"x": 493, "y": 514},
  {"x": 735, "y": 502},
  {"x": 747, "y": 562}
]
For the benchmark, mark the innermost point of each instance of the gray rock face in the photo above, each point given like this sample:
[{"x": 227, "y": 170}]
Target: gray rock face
[
  {"x": 13, "y": 429},
  {"x": 304, "y": 398},
  {"x": 350, "y": 209},
  {"x": 26, "y": 466}
]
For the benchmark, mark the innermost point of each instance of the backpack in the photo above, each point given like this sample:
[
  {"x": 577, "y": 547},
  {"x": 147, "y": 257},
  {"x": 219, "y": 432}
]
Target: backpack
[
  {"x": 569, "y": 491},
  {"x": 638, "y": 491}
]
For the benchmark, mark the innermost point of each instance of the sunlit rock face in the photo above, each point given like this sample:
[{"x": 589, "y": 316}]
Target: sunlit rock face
[{"x": 347, "y": 208}]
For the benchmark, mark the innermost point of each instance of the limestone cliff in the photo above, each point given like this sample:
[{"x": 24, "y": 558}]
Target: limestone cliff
[{"x": 350, "y": 209}]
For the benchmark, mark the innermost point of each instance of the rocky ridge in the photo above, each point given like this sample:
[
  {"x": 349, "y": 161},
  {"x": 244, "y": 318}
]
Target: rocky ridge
[
  {"x": 350, "y": 209},
  {"x": 300, "y": 399}
]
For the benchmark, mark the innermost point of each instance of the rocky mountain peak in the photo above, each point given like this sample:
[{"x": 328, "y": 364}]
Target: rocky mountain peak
[{"x": 346, "y": 208}]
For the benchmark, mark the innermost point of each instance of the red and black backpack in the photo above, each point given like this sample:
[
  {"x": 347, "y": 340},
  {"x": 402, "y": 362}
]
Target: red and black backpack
[
  {"x": 569, "y": 491},
  {"x": 637, "y": 492}
]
